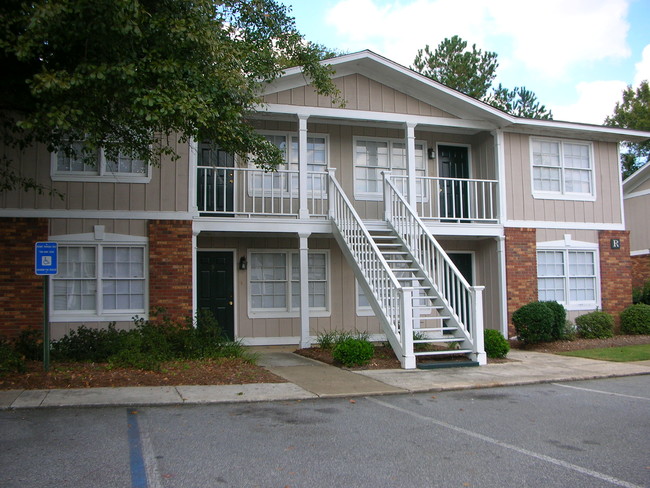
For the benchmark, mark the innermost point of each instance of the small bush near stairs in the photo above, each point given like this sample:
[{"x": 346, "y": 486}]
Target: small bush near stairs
[
  {"x": 496, "y": 346},
  {"x": 353, "y": 352}
]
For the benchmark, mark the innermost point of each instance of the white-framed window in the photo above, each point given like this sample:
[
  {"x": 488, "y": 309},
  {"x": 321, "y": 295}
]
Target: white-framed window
[
  {"x": 75, "y": 167},
  {"x": 569, "y": 275},
  {"x": 562, "y": 169},
  {"x": 274, "y": 283},
  {"x": 372, "y": 156},
  {"x": 363, "y": 305},
  {"x": 99, "y": 280},
  {"x": 288, "y": 143}
]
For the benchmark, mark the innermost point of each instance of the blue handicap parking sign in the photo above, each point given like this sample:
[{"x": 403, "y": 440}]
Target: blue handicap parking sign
[{"x": 47, "y": 258}]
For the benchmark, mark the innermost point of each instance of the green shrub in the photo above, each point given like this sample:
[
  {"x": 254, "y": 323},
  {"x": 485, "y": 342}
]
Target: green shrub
[
  {"x": 29, "y": 344},
  {"x": 642, "y": 294},
  {"x": 569, "y": 331},
  {"x": 595, "y": 325},
  {"x": 534, "y": 323},
  {"x": 353, "y": 352},
  {"x": 635, "y": 319},
  {"x": 496, "y": 346},
  {"x": 328, "y": 340},
  {"x": 10, "y": 360},
  {"x": 84, "y": 344},
  {"x": 559, "y": 318}
]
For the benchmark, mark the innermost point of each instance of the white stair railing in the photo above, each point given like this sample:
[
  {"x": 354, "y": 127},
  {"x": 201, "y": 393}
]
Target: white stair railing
[
  {"x": 463, "y": 301},
  {"x": 391, "y": 302}
]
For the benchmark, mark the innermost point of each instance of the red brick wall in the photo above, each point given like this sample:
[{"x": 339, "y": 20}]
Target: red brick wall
[
  {"x": 640, "y": 270},
  {"x": 615, "y": 272},
  {"x": 521, "y": 269},
  {"x": 170, "y": 266},
  {"x": 21, "y": 291}
]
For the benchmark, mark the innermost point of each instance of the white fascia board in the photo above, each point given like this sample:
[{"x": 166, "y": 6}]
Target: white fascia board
[
  {"x": 575, "y": 130},
  {"x": 369, "y": 116},
  {"x": 94, "y": 214},
  {"x": 469, "y": 230},
  {"x": 542, "y": 224},
  {"x": 636, "y": 194},
  {"x": 262, "y": 225},
  {"x": 642, "y": 252}
]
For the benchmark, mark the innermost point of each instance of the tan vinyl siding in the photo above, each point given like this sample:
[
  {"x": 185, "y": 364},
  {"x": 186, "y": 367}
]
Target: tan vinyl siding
[
  {"x": 341, "y": 281},
  {"x": 521, "y": 205},
  {"x": 360, "y": 93},
  {"x": 486, "y": 273},
  {"x": 547, "y": 235},
  {"x": 60, "y": 227},
  {"x": 636, "y": 220},
  {"x": 166, "y": 191}
]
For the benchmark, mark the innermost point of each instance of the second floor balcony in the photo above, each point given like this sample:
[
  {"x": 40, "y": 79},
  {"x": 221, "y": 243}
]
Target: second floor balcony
[{"x": 251, "y": 192}]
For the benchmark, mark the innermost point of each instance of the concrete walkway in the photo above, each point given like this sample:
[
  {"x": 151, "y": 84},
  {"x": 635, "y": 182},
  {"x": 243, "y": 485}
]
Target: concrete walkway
[{"x": 307, "y": 379}]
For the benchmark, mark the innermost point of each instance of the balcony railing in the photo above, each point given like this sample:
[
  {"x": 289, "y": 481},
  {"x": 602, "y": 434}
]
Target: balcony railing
[
  {"x": 454, "y": 199},
  {"x": 249, "y": 192}
]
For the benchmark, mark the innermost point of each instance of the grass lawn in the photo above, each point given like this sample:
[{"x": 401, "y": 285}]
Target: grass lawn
[{"x": 640, "y": 352}]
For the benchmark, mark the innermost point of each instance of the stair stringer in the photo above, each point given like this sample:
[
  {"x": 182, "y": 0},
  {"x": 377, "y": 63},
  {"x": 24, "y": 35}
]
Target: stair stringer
[{"x": 406, "y": 358}]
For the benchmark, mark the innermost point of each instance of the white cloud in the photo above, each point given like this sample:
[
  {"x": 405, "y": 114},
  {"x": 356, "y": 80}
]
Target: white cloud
[
  {"x": 596, "y": 100},
  {"x": 546, "y": 37},
  {"x": 643, "y": 67}
]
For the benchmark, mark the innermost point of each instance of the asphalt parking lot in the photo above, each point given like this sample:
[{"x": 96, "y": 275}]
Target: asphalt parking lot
[{"x": 578, "y": 434}]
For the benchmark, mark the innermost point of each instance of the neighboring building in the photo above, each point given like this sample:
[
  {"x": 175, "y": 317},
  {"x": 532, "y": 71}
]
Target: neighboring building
[
  {"x": 480, "y": 212},
  {"x": 636, "y": 194}
]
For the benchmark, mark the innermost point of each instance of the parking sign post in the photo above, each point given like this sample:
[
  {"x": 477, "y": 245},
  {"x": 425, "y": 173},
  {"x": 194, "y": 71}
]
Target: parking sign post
[{"x": 46, "y": 263}]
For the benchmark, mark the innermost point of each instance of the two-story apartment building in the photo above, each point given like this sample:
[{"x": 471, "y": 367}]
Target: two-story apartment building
[
  {"x": 411, "y": 208},
  {"x": 636, "y": 195}
]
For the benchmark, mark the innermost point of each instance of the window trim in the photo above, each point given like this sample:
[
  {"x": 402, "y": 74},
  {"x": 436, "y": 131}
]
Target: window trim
[
  {"x": 288, "y": 312},
  {"x": 567, "y": 246},
  {"x": 100, "y": 175},
  {"x": 100, "y": 239},
  {"x": 379, "y": 196},
  {"x": 284, "y": 191},
  {"x": 562, "y": 194}
]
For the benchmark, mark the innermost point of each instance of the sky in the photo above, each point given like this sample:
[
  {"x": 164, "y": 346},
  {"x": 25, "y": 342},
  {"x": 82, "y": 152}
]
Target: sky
[{"x": 577, "y": 56}]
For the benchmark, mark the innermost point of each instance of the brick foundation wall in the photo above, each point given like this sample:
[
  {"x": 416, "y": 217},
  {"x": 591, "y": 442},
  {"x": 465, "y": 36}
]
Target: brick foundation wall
[
  {"x": 21, "y": 291},
  {"x": 640, "y": 270},
  {"x": 521, "y": 269},
  {"x": 170, "y": 266},
  {"x": 615, "y": 272}
]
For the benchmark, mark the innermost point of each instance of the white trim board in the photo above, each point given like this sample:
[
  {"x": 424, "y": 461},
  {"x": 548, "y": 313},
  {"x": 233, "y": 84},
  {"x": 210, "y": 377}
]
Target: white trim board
[
  {"x": 542, "y": 224},
  {"x": 94, "y": 214},
  {"x": 642, "y": 252}
]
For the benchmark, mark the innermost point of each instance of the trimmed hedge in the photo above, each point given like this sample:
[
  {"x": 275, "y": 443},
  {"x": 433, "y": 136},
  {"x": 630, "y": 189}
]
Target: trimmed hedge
[
  {"x": 534, "y": 322},
  {"x": 635, "y": 319},
  {"x": 353, "y": 352},
  {"x": 496, "y": 346},
  {"x": 559, "y": 318},
  {"x": 595, "y": 325}
]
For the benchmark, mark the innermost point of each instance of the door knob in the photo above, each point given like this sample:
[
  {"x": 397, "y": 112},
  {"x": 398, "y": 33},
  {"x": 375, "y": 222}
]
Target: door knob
[{"x": 230, "y": 303}]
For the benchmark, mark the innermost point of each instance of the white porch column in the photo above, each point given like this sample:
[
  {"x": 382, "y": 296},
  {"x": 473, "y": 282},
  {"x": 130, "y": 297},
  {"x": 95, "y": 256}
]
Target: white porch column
[
  {"x": 305, "y": 340},
  {"x": 302, "y": 165},
  {"x": 195, "y": 308},
  {"x": 500, "y": 160},
  {"x": 503, "y": 290},
  {"x": 477, "y": 326},
  {"x": 410, "y": 163}
]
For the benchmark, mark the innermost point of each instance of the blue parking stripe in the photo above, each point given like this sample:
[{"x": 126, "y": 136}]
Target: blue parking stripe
[{"x": 138, "y": 471}]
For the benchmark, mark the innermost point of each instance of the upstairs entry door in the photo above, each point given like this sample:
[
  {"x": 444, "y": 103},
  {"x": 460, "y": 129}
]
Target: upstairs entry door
[
  {"x": 215, "y": 288},
  {"x": 453, "y": 162},
  {"x": 215, "y": 189}
]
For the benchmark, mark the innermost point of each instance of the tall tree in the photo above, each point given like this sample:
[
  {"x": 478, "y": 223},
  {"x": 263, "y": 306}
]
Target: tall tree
[
  {"x": 470, "y": 72},
  {"x": 519, "y": 101},
  {"x": 128, "y": 75},
  {"x": 633, "y": 112}
]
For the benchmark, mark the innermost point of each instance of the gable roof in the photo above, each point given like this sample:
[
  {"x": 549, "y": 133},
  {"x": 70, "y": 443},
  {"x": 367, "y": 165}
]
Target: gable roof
[
  {"x": 409, "y": 82},
  {"x": 635, "y": 180}
]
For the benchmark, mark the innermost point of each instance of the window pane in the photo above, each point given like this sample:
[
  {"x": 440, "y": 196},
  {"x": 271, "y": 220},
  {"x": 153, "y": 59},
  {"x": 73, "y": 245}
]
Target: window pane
[
  {"x": 577, "y": 181},
  {"x": 546, "y": 179},
  {"x": 546, "y": 153},
  {"x": 75, "y": 162},
  {"x": 576, "y": 156}
]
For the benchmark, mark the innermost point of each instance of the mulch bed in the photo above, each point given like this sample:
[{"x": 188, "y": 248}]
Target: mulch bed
[{"x": 89, "y": 375}]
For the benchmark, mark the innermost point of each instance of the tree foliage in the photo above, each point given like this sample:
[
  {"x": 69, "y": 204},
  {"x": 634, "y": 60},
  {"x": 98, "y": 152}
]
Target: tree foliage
[
  {"x": 472, "y": 73},
  {"x": 633, "y": 112},
  {"x": 469, "y": 72},
  {"x": 131, "y": 75}
]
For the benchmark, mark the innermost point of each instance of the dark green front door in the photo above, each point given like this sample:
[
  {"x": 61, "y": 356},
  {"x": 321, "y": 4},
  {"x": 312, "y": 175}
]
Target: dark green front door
[
  {"x": 215, "y": 287},
  {"x": 454, "y": 195}
]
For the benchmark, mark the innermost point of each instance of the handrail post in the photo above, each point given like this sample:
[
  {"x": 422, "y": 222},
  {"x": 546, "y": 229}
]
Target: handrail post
[
  {"x": 478, "y": 343},
  {"x": 331, "y": 172},
  {"x": 406, "y": 329},
  {"x": 388, "y": 207}
]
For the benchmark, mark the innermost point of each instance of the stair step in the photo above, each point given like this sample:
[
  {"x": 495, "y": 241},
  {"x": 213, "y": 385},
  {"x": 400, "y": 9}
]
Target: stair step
[
  {"x": 399, "y": 260},
  {"x": 447, "y": 364},
  {"x": 436, "y": 329},
  {"x": 432, "y": 318},
  {"x": 450, "y": 352},
  {"x": 407, "y": 270},
  {"x": 438, "y": 341}
]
